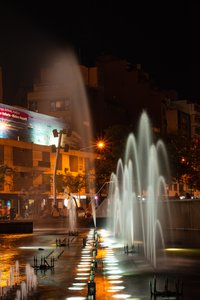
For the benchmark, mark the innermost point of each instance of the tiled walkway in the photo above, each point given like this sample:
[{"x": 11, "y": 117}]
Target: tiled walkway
[{"x": 116, "y": 276}]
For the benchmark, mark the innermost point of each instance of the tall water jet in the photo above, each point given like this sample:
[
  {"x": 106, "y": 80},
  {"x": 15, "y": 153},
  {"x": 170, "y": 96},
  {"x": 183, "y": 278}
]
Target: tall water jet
[
  {"x": 136, "y": 190},
  {"x": 67, "y": 75},
  {"x": 72, "y": 214}
]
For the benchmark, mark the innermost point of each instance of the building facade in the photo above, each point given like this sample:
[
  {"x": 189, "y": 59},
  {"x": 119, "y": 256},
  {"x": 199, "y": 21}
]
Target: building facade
[{"x": 27, "y": 162}]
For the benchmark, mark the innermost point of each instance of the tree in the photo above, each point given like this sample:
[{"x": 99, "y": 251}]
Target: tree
[
  {"x": 5, "y": 172},
  {"x": 115, "y": 140},
  {"x": 73, "y": 183},
  {"x": 184, "y": 157}
]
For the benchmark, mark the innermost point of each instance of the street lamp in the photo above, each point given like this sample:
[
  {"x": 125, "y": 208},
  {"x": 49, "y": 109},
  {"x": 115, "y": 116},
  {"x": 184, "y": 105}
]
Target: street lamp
[
  {"x": 58, "y": 134},
  {"x": 98, "y": 145}
]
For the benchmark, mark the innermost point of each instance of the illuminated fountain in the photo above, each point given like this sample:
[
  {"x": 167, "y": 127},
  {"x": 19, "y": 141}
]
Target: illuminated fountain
[
  {"x": 135, "y": 190},
  {"x": 72, "y": 214},
  {"x": 68, "y": 77}
]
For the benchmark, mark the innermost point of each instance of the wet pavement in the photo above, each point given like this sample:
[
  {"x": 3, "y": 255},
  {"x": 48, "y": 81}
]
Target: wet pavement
[{"x": 117, "y": 275}]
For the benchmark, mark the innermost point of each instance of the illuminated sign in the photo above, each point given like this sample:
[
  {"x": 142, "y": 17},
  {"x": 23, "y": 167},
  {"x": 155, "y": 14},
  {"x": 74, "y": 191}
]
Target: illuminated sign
[
  {"x": 11, "y": 113},
  {"x": 23, "y": 125}
]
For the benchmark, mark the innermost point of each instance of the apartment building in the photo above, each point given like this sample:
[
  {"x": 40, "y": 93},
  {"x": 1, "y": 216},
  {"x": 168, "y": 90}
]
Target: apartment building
[
  {"x": 193, "y": 109},
  {"x": 62, "y": 91},
  {"x": 27, "y": 161},
  {"x": 181, "y": 116},
  {"x": 111, "y": 92}
]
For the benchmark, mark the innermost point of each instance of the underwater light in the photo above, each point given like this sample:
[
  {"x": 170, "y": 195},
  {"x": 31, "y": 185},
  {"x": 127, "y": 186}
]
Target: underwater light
[
  {"x": 186, "y": 250},
  {"x": 107, "y": 260},
  {"x": 83, "y": 274},
  {"x": 111, "y": 268},
  {"x": 75, "y": 298},
  {"x": 114, "y": 272},
  {"x": 83, "y": 269},
  {"x": 75, "y": 288},
  {"x": 114, "y": 276},
  {"x": 115, "y": 281},
  {"x": 124, "y": 296},
  {"x": 116, "y": 288}
]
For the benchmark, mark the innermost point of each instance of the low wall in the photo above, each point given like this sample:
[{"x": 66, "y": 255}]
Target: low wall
[
  {"x": 13, "y": 227},
  {"x": 184, "y": 214}
]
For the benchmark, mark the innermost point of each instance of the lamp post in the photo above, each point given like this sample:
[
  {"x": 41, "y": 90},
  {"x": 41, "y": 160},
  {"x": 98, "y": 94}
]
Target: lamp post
[{"x": 59, "y": 135}]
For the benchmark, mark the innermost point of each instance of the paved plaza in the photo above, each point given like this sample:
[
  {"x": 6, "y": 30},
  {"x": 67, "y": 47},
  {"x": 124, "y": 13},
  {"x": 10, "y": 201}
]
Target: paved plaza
[{"x": 117, "y": 275}]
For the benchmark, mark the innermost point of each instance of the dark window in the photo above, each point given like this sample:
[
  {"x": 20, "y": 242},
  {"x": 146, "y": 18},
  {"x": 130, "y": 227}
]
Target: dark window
[
  {"x": 196, "y": 108},
  {"x": 1, "y": 154},
  {"x": 197, "y": 118},
  {"x": 46, "y": 179},
  {"x": 73, "y": 163},
  {"x": 181, "y": 188},
  {"x": 1, "y": 186},
  {"x": 60, "y": 105},
  {"x": 33, "y": 105},
  {"x": 45, "y": 162},
  {"x": 23, "y": 181},
  {"x": 22, "y": 157},
  {"x": 46, "y": 156},
  {"x": 88, "y": 165},
  {"x": 197, "y": 130},
  {"x": 59, "y": 162}
]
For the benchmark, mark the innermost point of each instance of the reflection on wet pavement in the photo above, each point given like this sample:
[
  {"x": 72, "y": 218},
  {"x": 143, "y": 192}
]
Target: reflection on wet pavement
[{"x": 116, "y": 274}]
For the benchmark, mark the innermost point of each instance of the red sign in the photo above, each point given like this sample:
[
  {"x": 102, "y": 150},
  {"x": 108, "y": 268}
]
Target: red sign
[{"x": 7, "y": 113}]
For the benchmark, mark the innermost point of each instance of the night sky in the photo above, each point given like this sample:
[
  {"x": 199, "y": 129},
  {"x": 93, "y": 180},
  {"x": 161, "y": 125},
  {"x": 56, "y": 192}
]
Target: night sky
[{"x": 163, "y": 38}]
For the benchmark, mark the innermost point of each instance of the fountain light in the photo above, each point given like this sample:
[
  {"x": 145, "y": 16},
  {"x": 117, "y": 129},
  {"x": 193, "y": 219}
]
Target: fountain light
[
  {"x": 111, "y": 264},
  {"x": 124, "y": 296},
  {"x": 116, "y": 288},
  {"x": 111, "y": 268},
  {"x": 85, "y": 251},
  {"x": 86, "y": 257},
  {"x": 110, "y": 259},
  {"x": 79, "y": 283},
  {"x": 104, "y": 233},
  {"x": 115, "y": 277},
  {"x": 75, "y": 298},
  {"x": 75, "y": 288},
  {"x": 185, "y": 250},
  {"x": 114, "y": 272},
  {"x": 83, "y": 269},
  {"x": 83, "y": 274}
]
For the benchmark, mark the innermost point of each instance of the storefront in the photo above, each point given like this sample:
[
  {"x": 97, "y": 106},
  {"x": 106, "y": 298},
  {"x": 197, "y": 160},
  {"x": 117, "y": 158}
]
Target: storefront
[{"x": 8, "y": 201}]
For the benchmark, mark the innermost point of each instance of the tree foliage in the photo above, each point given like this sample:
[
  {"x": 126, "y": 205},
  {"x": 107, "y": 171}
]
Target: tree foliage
[
  {"x": 184, "y": 157},
  {"x": 5, "y": 170},
  {"x": 115, "y": 140},
  {"x": 73, "y": 184}
]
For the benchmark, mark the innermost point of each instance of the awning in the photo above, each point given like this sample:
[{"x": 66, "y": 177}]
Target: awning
[{"x": 9, "y": 196}]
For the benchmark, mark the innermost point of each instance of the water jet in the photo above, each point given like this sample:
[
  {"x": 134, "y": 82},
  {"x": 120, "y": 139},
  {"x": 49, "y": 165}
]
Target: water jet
[{"x": 135, "y": 192}]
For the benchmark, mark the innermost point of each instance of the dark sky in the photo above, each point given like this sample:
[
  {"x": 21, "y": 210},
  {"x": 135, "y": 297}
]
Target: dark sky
[{"x": 163, "y": 37}]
